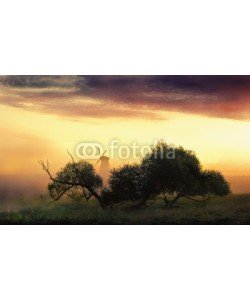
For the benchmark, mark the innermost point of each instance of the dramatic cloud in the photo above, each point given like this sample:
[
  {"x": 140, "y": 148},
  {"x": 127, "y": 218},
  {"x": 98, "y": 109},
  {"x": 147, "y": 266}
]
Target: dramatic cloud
[{"x": 129, "y": 96}]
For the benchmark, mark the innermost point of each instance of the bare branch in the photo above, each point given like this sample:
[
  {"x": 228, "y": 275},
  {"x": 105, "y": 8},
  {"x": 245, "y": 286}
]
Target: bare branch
[
  {"x": 196, "y": 200},
  {"x": 58, "y": 197},
  {"x": 46, "y": 169},
  {"x": 74, "y": 164},
  {"x": 71, "y": 157}
]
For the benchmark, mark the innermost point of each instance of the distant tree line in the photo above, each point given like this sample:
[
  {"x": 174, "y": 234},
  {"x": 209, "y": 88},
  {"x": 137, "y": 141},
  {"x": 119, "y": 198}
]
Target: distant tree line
[{"x": 156, "y": 175}]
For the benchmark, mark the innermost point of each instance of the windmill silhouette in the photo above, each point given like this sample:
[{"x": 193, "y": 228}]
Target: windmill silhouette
[{"x": 104, "y": 166}]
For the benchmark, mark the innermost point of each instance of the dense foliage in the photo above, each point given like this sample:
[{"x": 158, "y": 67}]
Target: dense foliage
[
  {"x": 172, "y": 172},
  {"x": 77, "y": 180}
]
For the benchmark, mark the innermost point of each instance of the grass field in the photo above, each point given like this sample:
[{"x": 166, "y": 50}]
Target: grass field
[{"x": 234, "y": 209}]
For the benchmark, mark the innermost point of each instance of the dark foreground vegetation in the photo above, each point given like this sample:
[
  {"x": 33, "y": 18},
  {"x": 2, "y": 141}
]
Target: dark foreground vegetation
[{"x": 232, "y": 209}]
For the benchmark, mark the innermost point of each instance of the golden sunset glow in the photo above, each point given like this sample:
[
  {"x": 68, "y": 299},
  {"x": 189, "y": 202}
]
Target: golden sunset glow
[{"x": 33, "y": 129}]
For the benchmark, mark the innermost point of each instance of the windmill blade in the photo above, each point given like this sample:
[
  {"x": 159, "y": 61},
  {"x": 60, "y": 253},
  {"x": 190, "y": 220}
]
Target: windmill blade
[
  {"x": 100, "y": 156},
  {"x": 97, "y": 161},
  {"x": 103, "y": 153}
]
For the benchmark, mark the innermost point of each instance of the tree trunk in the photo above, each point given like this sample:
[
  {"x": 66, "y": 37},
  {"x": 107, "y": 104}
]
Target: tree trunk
[
  {"x": 175, "y": 199},
  {"x": 172, "y": 203},
  {"x": 98, "y": 197},
  {"x": 166, "y": 201}
]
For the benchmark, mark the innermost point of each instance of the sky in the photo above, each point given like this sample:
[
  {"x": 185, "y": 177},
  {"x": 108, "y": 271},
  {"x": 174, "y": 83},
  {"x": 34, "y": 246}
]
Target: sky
[{"x": 44, "y": 116}]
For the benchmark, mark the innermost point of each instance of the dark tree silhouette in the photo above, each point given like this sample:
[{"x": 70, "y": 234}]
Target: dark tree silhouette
[
  {"x": 76, "y": 179},
  {"x": 171, "y": 171},
  {"x": 131, "y": 182},
  {"x": 167, "y": 170}
]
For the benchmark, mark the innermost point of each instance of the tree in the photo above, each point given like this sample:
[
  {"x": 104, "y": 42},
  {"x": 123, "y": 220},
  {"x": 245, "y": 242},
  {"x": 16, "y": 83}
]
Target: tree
[
  {"x": 74, "y": 180},
  {"x": 175, "y": 176},
  {"x": 213, "y": 184},
  {"x": 173, "y": 172},
  {"x": 130, "y": 182}
]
